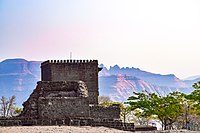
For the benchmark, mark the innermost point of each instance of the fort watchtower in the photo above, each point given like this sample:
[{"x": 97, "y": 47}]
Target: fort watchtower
[{"x": 73, "y": 70}]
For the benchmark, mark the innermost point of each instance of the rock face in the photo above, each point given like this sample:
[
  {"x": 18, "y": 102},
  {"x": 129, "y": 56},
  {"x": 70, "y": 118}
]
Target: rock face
[
  {"x": 18, "y": 77},
  {"x": 169, "y": 80},
  {"x": 119, "y": 87},
  {"x": 69, "y": 89}
]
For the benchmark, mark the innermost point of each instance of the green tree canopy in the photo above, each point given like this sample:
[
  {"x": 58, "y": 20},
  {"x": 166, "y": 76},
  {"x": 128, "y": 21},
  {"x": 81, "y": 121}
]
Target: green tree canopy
[{"x": 166, "y": 108}]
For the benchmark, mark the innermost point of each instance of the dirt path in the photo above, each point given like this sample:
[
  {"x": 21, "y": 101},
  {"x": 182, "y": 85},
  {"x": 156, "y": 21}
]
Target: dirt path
[{"x": 57, "y": 129}]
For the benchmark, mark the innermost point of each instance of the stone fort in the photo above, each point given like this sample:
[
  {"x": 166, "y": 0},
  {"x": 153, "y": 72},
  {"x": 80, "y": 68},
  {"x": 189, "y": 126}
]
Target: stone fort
[
  {"x": 69, "y": 89},
  {"x": 68, "y": 95}
]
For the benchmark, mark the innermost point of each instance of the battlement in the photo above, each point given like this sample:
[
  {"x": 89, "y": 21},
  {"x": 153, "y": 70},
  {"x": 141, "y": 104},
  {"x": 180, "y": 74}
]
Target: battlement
[
  {"x": 73, "y": 70},
  {"x": 68, "y": 61}
]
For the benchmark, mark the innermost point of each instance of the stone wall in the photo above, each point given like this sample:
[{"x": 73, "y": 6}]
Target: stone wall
[
  {"x": 70, "y": 70},
  {"x": 57, "y": 99},
  {"x": 59, "y": 108},
  {"x": 63, "y": 99},
  {"x": 69, "y": 122},
  {"x": 101, "y": 112}
]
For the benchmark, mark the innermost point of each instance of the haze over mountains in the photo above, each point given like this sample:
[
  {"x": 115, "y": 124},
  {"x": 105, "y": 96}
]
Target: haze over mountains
[
  {"x": 121, "y": 82},
  {"x": 19, "y": 77}
]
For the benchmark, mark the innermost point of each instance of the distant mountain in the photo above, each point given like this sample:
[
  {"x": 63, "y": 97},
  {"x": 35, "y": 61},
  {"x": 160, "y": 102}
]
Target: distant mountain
[
  {"x": 192, "y": 77},
  {"x": 156, "y": 79},
  {"x": 19, "y": 77},
  {"x": 191, "y": 82},
  {"x": 119, "y": 87}
]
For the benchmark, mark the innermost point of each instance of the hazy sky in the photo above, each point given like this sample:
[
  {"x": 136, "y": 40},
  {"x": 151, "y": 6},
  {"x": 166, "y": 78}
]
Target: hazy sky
[{"x": 161, "y": 36}]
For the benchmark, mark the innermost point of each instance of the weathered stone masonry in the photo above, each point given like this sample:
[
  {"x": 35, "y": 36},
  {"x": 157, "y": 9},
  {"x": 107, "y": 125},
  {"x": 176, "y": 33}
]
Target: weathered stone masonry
[
  {"x": 69, "y": 89},
  {"x": 68, "y": 95},
  {"x": 74, "y": 70},
  {"x": 57, "y": 100}
]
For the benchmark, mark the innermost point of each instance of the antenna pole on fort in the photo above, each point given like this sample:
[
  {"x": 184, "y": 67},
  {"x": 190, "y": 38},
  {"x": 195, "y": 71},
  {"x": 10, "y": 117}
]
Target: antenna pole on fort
[{"x": 70, "y": 55}]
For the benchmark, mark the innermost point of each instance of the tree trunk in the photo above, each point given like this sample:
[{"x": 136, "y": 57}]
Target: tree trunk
[
  {"x": 124, "y": 118},
  {"x": 165, "y": 124}
]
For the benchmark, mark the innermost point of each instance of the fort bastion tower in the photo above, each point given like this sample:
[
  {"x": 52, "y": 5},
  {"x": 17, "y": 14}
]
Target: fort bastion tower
[{"x": 74, "y": 70}]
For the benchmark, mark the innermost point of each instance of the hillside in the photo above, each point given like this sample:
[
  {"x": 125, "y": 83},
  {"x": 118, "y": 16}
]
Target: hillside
[
  {"x": 119, "y": 87},
  {"x": 169, "y": 80},
  {"x": 19, "y": 77}
]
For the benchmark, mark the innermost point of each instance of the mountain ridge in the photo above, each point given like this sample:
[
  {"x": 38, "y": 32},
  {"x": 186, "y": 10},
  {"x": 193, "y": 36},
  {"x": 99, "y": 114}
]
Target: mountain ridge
[
  {"x": 162, "y": 80},
  {"x": 19, "y": 77}
]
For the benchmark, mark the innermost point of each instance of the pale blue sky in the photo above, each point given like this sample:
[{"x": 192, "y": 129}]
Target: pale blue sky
[{"x": 161, "y": 36}]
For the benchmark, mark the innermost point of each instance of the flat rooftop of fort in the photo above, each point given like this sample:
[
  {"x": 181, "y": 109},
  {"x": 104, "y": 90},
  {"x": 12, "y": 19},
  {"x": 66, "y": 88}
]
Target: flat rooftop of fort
[{"x": 68, "y": 61}]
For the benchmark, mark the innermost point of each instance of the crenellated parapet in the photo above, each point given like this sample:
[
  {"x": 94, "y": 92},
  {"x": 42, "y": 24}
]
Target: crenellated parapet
[
  {"x": 68, "y": 61},
  {"x": 70, "y": 70}
]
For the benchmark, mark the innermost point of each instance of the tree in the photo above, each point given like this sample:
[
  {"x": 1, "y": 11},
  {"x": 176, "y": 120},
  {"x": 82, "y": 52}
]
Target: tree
[
  {"x": 192, "y": 106},
  {"x": 142, "y": 119},
  {"x": 17, "y": 111},
  {"x": 196, "y": 85},
  {"x": 195, "y": 95},
  {"x": 125, "y": 110},
  {"x": 104, "y": 100},
  {"x": 4, "y": 106},
  {"x": 166, "y": 108},
  {"x": 7, "y": 106},
  {"x": 11, "y": 104}
]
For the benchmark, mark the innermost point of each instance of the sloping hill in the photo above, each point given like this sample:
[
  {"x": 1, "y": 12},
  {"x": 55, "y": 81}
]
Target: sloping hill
[
  {"x": 119, "y": 87},
  {"x": 19, "y": 77},
  {"x": 169, "y": 80}
]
